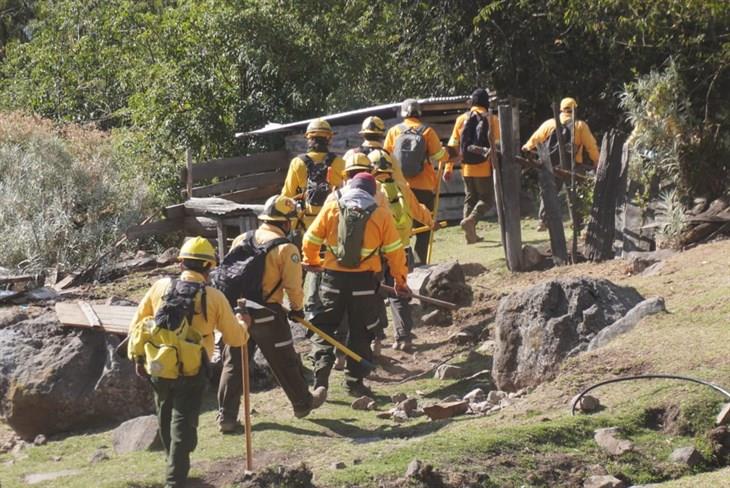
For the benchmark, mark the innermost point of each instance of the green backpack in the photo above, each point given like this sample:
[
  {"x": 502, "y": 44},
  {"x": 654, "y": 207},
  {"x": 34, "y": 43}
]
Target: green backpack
[
  {"x": 398, "y": 205},
  {"x": 350, "y": 234}
]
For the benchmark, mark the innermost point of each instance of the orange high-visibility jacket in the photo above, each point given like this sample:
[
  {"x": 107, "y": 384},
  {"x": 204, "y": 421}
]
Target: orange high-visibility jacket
[
  {"x": 476, "y": 170},
  {"x": 426, "y": 179}
]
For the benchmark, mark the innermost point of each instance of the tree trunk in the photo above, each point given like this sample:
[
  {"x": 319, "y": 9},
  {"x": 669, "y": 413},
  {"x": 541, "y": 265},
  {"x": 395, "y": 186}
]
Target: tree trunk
[
  {"x": 509, "y": 176},
  {"x": 551, "y": 205}
]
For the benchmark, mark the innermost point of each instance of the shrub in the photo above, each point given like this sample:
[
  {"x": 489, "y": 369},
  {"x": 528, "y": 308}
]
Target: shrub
[{"x": 66, "y": 193}]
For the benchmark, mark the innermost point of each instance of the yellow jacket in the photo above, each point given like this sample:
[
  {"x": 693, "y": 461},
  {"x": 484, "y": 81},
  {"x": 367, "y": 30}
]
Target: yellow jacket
[
  {"x": 380, "y": 234},
  {"x": 477, "y": 170},
  {"x": 282, "y": 264},
  {"x": 219, "y": 313},
  {"x": 426, "y": 179},
  {"x": 296, "y": 180},
  {"x": 415, "y": 209},
  {"x": 583, "y": 138},
  {"x": 397, "y": 171}
]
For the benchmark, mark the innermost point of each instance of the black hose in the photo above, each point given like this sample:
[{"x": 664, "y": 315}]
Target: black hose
[{"x": 645, "y": 377}]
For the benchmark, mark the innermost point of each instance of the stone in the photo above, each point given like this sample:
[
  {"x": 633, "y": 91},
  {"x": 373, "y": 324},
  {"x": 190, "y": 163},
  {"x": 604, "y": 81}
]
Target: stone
[
  {"x": 480, "y": 407},
  {"x": 137, "y": 434},
  {"x": 587, "y": 404},
  {"x": 384, "y": 415},
  {"x": 487, "y": 347},
  {"x": 449, "y": 372},
  {"x": 339, "y": 465},
  {"x": 608, "y": 440},
  {"x": 605, "y": 481},
  {"x": 689, "y": 456},
  {"x": 532, "y": 258},
  {"x": 408, "y": 406},
  {"x": 475, "y": 396},
  {"x": 169, "y": 256},
  {"x": 40, "y": 440},
  {"x": 35, "y": 478},
  {"x": 446, "y": 281},
  {"x": 413, "y": 469},
  {"x": 627, "y": 322},
  {"x": 452, "y": 398},
  {"x": 115, "y": 300},
  {"x": 398, "y": 397},
  {"x": 400, "y": 416},
  {"x": 59, "y": 380},
  {"x": 99, "y": 456},
  {"x": 506, "y": 402},
  {"x": 638, "y": 261},
  {"x": 435, "y": 317},
  {"x": 446, "y": 410},
  {"x": 461, "y": 338},
  {"x": 537, "y": 328},
  {"x": 56, "y": 459},
  {"x": 720, "y": 440},
  {"x": 496, "y": 396},
  {"x": 356, "y": 462},
  {"x": 362, "y": 403},
  {"x": 723, "y": 418}
]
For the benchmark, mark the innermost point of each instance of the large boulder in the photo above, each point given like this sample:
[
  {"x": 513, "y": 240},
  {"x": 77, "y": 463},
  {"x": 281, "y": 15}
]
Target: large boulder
[
  {"x": 446, "y": 281},
  {"x": 57, "y": 380},
  {"x": 539, "y": 327}
]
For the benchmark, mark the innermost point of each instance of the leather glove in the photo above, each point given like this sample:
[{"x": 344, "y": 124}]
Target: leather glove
[{"x": 295, "y": 315}]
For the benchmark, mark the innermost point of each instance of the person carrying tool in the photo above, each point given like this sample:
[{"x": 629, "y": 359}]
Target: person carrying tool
[
  {"x": 314, "y": 174},
  {"x": 472, "y": 128},
  {"x": 354, "y": 230},
  {"x": 171, "y": 341},
  {"x": 405, "y": 208},
  {"x": 582, "y": 136},
  {"x": 416, "y": 148},
  {"x": 267, "y": 265}
]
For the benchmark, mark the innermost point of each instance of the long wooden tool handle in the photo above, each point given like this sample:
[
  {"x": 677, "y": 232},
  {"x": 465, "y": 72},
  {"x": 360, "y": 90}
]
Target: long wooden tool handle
[
  {"x": 426, "y": 228},
  {"x": 432, "y": 301},
  {"x": 247, "y": 406},
  {"x": 435, "y": 209},
  {"x": 338, "y": 345}
]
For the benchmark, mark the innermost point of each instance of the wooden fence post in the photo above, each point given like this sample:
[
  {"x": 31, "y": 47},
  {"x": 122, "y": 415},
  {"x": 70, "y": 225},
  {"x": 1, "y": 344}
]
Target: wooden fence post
[
  {"x": 509, "y": 176},
  {"x": 602, "y": 223},
  {"x": 551, "y": 206}
]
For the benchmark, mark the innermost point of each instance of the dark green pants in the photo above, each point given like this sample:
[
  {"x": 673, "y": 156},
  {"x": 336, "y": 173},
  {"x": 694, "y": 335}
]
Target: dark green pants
[
  {"x": 178, "y": 408},
  {"x": 351, "y": 293},
  {"x": 426, "y": 197},
  {"x": 478, "y": 196}
]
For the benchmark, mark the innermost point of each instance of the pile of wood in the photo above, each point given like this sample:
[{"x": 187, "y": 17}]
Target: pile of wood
[{"x": 706, "y": 222}]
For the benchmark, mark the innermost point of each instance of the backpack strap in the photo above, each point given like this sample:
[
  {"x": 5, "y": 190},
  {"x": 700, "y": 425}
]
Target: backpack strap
[{"x": 267, "y": 248}]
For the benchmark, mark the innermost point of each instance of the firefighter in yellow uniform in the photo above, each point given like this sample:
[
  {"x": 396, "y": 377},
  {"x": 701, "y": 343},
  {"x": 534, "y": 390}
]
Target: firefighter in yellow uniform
[
  {"x": 178, "y": 401},
  {"x": 584, "y": 140},
  {"x": 313, "y": 175},
  {"x": 423, "y": 180},
  {"x": 373, "y": 133},
  {"x": 270, "y": 331},
  {"x": 349, "y": 268},
  {"x": 405, "y": 208},
  {"x": 477, "y": 174}
]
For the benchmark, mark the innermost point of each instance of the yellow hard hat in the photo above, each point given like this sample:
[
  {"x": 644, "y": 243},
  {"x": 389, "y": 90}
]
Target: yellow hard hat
[
  {"x": 356, "y": 160},
  {"x": 279, "y": 208},
  {"x": 318, "y": 128},
  {"x": 568, "y": 104},
  {"x": 410, "y": 108},
  {"x": 198, "y": 248},
  {"x": 382, "y": 161},
  {"x": 373, "y": 125}
]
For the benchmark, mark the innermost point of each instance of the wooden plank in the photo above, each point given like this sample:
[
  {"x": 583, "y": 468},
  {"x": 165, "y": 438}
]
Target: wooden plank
[
  {"x": 510, "y": 173},
  {"x": 154, "y": 228},
  {"x": 214, "y": 206},
  {"x": 551, "y": 205},
  {"x": 241, "y": 183},
  {"x": 90, "y": 315},
  {"x": 240, "y": 165},
  {"x": 253, "y": 195},
  {"x": 112, "y": 319}
]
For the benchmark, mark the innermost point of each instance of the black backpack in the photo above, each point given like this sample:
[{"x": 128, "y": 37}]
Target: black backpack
[
  {"x": 179, "y": 303},
  {"x": 242, "y": 270},
  {"x": 474, "y": 133},
  {"x": 410, "y": 149},
  {"x": 566, "y": 130},
  {"x": 317, "y": 186}
]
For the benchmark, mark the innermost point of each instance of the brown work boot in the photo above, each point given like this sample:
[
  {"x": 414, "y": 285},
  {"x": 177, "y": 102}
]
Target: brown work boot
[
  {"x": 469, "y": 226},
  {"x": 319, "y": 396}
]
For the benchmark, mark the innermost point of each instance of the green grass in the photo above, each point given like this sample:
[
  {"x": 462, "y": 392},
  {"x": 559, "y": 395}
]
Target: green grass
[{"x": 691, "y": 339}]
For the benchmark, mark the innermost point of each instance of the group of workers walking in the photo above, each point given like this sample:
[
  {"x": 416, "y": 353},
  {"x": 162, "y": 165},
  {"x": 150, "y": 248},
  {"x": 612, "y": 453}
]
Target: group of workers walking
[{"x": 340, "y": 227}]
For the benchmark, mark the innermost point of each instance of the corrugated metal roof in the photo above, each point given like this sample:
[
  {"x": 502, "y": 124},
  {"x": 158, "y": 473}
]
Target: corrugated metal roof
[{"x": 273, "y": 127}]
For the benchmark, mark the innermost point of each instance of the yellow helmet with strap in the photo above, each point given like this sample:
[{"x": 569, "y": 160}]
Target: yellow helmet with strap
[
  {"x": 382, "y": 161},
  {"x": 356, "y": 161},
  {"x": 373, "y": 125},
  {"x": 319, "y": 128},
  {"x": 279, "y": 208},
  {"x": 198, "y": 248}
]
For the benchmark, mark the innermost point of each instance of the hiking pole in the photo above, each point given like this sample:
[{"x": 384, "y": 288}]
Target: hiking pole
[
  {"x": 426, "y": 228},
  {"x": 432, "y": 301},
  {"x": 331, "y": 340},
  {"x": 246, "y": 401},
  {"x": 435, "y": 209}
]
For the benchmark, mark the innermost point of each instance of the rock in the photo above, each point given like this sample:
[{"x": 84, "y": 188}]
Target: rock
[
  {"x": 532, "y": 258},
  {"x": 339, "y": 465},
  {"x": 496, "y": 396},
  {"x": 475, "y": 396},
  {"x": 723, "y": 418},
  {"x": 115, "y": 300},
  {"x": 537, "y": 328},
  {"x": 638, "y": 261},
  {"x": 169, "y": 256},
  {"x": 480, "y": 407},
  {"x": 413, "y": 469},
  {"x": 57, "y": 380},
  {"x": 99, "y": 456},
  {"x": 720, "y": 440},
  {"x": 40, "y": 440},
  {"x": 398, "y": 397},
  {"x": 461, "y": 338},
  {"x": 449, "y": 372},
  {"x": 608, "y": 440},
  {"x": 408, "y": 406},
  {"x": 689, "y": 456},
  {"x": 385, "y": 415},
  {"x": 299, "y": 477},
  {"x": 451, "y": 398},
  {"x": 627, "y": 322},
  {"x": 446, "y": 410},
  {"x": 473, "y": 269},
  {"x": 362, "y": 403},
  {"x": 56, "y": 459},
  {"x": 356, "y": 461},
  {"x": 587, "y": 404},
  {"x": 487, "y": 347},
  {"x": 138, "y": 434},
  {"x": 35, "y": 478},
  {"x": 606, "y": 481},
  {"x": 446, "y": 281},
  {"x": 400, "y": 416},
  {"x": 435, "y": 317},
  {"x": 506, "y": 402}
]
